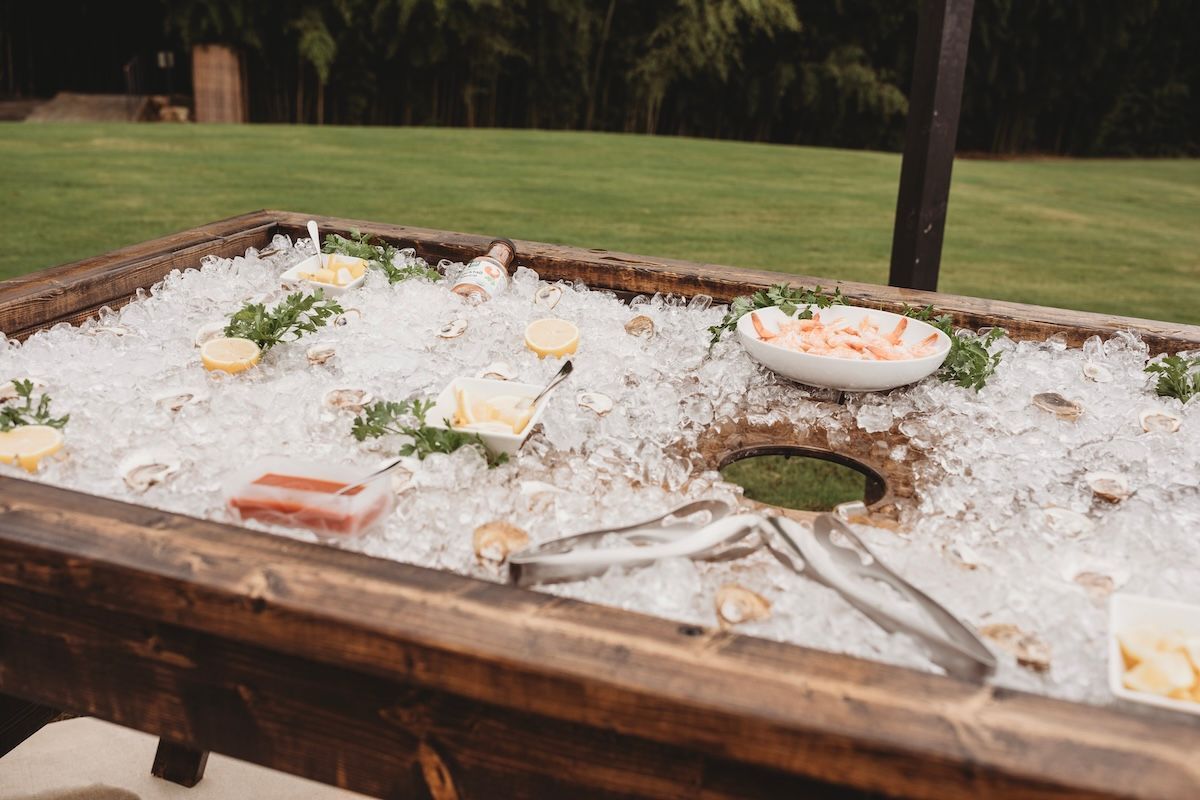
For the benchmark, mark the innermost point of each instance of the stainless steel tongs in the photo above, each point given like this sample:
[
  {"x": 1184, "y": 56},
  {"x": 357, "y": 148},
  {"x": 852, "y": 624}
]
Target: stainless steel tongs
[
  {"x": 831, "y": 554},
  {"x": 701, "y": 529}
]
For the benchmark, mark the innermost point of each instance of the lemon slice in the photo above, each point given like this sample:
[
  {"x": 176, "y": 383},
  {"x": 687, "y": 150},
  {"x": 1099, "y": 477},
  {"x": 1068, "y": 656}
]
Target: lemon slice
[
  {"x": 552, "y": 337},
  {"x": 522, "y": 420},
  {"x": 355, "y": 266},
  {"x": 27, "y": 445},
  {"x": 229, "y": 354}
]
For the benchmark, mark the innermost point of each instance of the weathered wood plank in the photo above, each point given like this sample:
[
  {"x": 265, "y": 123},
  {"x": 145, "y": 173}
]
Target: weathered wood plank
[
  {"x": 20, "y": 719},
  {"x": 605, "y": 269},
  {"x": 73, "y": 292},
  {"x": 757, "y": 703}
]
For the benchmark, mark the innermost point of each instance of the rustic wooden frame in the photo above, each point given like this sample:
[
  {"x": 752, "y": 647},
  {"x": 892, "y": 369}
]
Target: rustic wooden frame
[{"x": 399, "y": 681}]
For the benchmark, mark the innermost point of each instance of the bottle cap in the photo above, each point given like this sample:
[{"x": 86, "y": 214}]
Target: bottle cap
[{"x": 508, "y": 242}]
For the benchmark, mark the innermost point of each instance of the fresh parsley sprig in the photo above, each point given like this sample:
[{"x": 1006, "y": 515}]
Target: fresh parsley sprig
[
  {"x": 13, "y": 415},
  {"x": 782, "y": 295},
  {"x": 1176, "y": 378},
  {"x": 379, "y": 256},
  {"x": 407, "y": 418},
  {"x": 296, "y": 315},
  {"x": 970, "y": 362}
]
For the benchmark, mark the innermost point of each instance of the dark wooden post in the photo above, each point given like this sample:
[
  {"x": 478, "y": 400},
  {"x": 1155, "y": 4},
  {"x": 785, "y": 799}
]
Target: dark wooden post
[
  {"x": 934, "y": 100},
  {"x": 179, "y": 764},
  {"x": 19, "y": 720}
]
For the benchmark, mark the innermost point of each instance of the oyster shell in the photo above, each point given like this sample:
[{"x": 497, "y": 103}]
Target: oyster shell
[
  {"x": 963, "y": 555},
  {"x": 498, "y": 371},
  {"x": 1030, "y": 651},
  {"x": 210, "y": 330},
  {"x": 1110, "y": 487},
  {"x": 641, "y": 325},
  {"x": 1097, "y": 585},
  {"x": 1067, "y": 522},
  {"x": 347, "y": 316},
  {"x": 402, "y": 478},
  {"x": 736, "y": 604},
  {"x": 547, "y": 296},
  {"x": 115, "y": 330},
  {"x": 453, "y": 329},
  {"x": 1058, "y": 405},
  {"x": 600, "y": 403},
  {"x": 1158, "y": 420},
  {"x": 320, "y": 353},
  {"x": 494, "y": 541},
  {"x": 1097, "y": 372},
  {"x": 175, "y": 400},
  {"x": 145, "y": 468},
  {"x": 354, "y": 400}
]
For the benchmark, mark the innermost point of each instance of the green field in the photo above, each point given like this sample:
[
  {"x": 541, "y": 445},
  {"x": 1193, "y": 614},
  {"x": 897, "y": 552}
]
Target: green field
[{"x": 1106, "y": 235}]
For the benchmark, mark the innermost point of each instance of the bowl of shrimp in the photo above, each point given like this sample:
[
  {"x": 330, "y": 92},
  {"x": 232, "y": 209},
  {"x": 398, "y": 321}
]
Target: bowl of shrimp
[{"x": 847, "y": 348}]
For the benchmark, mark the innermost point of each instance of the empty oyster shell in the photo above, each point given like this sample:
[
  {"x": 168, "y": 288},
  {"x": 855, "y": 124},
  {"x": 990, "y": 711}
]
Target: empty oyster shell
[
  {"x": 354, "y": 400},
  {"x": 964, "y": 555},
  {"x": 736, "y": 604},
  {"x": 146, "y": 468},
  {"x": 641, "y": 325},
  {"x": 1108, "y": 486},
  {"x": 1158, "y": 420},
  {"x": 1030, "y": 651},
  {"x": 115, "y": 330},
  {"x": 320, "y": 353},
  {"x": 547, "y": 296},
  {"x": 1097, "y": 372},
  {"x": 499, "y": 371},
  {"x": 1058, "y": 405},
  {"x": 1067, "y": 522},
  {"x": 401, "y": 479},
  {"x": 1097, "y": 585},
  {"x": 600, "y": 403},
  {"x": 175, "y": 400},
  {"x": 453, "y": 329},
  {"x": 347, "y": 316},
  {"x": 209, "y": 331},
  {"x": 494, "y": 541},
  {"x": 8, "y": 391}
]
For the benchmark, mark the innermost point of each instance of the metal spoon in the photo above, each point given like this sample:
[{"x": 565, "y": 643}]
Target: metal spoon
[
  {"x": 352, "y": 486},
  {"x": 558, "y": 378},
  {"x": 316, "y": 240}
]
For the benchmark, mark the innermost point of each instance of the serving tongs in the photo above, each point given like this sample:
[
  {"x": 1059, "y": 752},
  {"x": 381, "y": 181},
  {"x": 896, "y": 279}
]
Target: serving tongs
[
  {"x": 831, "y": 554},
  {"x": 701, "y": 529}
]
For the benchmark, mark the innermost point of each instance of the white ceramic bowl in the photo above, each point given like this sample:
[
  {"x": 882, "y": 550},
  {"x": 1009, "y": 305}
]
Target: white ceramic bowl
[
  {"x": 482, "y": 389},
  {"x": 845, "y": 374},
  {"x": 311, "y": 264},
  {"x": 1129, "y": 611}
]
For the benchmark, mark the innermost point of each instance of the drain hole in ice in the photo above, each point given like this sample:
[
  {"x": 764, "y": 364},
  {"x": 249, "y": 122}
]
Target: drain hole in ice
[{"x": 802, "y": 478}]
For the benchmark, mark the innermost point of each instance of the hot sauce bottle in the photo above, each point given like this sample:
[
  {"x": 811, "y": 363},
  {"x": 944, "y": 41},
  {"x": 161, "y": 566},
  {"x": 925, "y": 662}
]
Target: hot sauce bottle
[{"x": 487, "y": 276}]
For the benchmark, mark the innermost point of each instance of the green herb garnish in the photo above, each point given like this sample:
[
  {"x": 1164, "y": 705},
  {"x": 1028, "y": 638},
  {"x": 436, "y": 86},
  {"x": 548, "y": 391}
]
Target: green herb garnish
[
  {"x": 782, "y": 295},
  {"x": 1175, "y": 377},
  {"x": 383, "y": 418},
  {"x": 379, "y": 256},
  {"x": 12, "y": 415},
  {"x": 970, "y": 363},
  {"x": 297, "y": 315}
]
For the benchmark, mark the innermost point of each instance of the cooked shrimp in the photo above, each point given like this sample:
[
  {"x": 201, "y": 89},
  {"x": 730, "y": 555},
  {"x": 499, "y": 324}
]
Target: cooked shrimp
[{"x": 843, "y": 339}]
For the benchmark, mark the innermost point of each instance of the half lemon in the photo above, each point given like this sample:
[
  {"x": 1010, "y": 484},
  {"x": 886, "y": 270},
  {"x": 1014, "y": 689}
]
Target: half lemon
[
  {"x": 27, "y": 445},
  {"x": 229, "y": 354},
  {"x": 552, "y": 337}
]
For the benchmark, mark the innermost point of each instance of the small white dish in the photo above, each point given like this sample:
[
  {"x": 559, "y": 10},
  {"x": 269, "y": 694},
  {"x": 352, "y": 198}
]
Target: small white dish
[
  {"x": 485, "y": 389},
  {"x": 314, "y": 263},
  {"x": 844, "y": 374},
  {"x": 1130, "y": 611}
]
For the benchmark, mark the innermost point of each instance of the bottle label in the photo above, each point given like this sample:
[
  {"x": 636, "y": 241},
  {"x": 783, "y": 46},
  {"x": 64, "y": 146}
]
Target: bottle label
[{"x": 485, "y": 273}]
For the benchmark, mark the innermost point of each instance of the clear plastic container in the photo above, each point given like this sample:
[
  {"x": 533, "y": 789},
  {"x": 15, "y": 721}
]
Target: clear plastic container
[{"x": 298, "y": 494}]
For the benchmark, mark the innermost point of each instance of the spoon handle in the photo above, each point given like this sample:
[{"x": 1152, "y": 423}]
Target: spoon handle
[
  {"x": 352, "y": 486},
  {"x": 555, "y": 381}
]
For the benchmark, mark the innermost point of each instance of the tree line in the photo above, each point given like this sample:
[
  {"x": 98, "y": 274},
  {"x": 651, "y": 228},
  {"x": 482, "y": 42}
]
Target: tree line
[{"x": 1103, "y": 77}]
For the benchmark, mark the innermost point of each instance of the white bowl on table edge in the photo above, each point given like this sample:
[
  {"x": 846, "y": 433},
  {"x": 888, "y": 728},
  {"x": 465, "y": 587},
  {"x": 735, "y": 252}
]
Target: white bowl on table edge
[
  {"x": 313, "y": 263},
  {"x": 844, "y": 374},
  {"x": 1131, "y": 611},
  {"x": 485, "y": 389}
]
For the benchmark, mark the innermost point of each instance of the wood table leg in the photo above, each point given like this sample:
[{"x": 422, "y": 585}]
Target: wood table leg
[
  {"x": 179, "y": 764},
  {"x": 20, "y": 719}
]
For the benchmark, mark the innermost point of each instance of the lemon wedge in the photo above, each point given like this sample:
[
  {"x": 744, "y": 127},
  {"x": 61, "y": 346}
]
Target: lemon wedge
[
  {"x": 355, "y": 266},
  {"x": 27, "y": 445},
  {"x": 552, "y": 337},
  {"x": 228, "y": 354},
  {"x": 464, "y": 414}
]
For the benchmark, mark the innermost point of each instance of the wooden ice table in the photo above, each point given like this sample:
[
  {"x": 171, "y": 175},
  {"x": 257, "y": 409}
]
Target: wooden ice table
[{"x": 399, "y": 681}]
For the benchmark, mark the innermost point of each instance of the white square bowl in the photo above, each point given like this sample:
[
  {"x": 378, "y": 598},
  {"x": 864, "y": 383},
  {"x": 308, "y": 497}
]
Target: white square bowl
[
  {"x": 483, "y": 389},
  {"x": 1130, "y": 611},
  {"x": 314, "y": 263}
]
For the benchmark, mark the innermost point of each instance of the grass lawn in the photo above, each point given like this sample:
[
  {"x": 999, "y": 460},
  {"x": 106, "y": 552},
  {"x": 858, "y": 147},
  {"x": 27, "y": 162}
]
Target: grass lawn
[{"x": 1106, "y": 235}]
